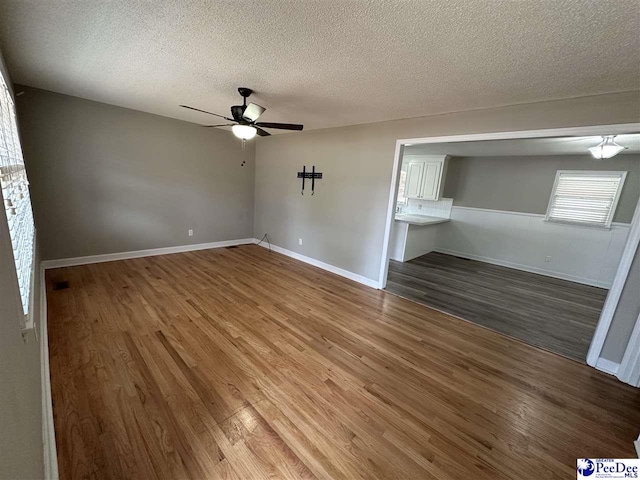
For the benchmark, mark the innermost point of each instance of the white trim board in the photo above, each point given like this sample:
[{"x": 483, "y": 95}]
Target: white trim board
[
  {"x": 629, "y": 371},
  {"x": 48, "y": 431},
  {"x": 526, "y": 214},
  {"x": 637, "y": 445},
  {"x": 324, "y": 266},
  {"x": 591, "y": 130},
  {"x": 611, "y": 303},
  {"x": 607, "y": 366},
  {"x": 524, "y": 268},
  {"x": 391, "y": 212},
  {"x": 110, "y": 257}
]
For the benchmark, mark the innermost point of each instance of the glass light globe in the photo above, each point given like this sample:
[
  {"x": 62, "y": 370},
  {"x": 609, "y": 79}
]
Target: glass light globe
[
  {"x": 245, "y": 132},
  {"x": 606, "y": 149}
]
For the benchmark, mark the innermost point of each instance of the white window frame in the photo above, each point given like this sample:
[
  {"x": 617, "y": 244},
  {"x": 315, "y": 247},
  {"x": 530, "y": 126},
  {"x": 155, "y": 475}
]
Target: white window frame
[
  {"x": 614, "y": 205},
  {"x": 404, "y": 200},
  {"x": 26, "y": 317}
]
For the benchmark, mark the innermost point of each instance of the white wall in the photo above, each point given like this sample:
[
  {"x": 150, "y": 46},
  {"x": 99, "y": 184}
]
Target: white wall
[{"x": 523, "y": 240}]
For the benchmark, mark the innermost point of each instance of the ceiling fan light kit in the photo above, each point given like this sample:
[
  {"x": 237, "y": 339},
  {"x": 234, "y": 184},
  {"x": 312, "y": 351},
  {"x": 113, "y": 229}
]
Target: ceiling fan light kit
[
  {"x": 607, "y": 148},
  {"x": 252, "y": 112},
  {"x": 244, "y": 124},
  {"x": 244, "y": 132}
]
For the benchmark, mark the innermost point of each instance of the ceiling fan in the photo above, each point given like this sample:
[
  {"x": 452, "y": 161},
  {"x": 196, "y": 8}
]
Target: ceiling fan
[{"x": 244, "y": 124}]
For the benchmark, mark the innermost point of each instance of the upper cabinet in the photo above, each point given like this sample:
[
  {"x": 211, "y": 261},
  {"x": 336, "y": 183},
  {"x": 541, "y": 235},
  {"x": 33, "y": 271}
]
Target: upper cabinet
[
  {"x": 415, "y": 172},
  {"x": 425, "y": 176}
]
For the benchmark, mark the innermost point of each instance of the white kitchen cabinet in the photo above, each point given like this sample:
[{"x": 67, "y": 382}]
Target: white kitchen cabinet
[
  {"x": 425, "y": 176},
  {"x": 415, "y": 172}
]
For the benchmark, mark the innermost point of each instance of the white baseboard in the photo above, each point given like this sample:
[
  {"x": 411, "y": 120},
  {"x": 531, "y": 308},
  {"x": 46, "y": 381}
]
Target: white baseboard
[
  {"x": 607, "y": 366},
  {"x": 526, "y": 268},
  {"x": 637, "y": 445},
  {"x": 325, "y": 266},
  {"x": 110, "y": 257},
  {"x": 48, "y": 431}
]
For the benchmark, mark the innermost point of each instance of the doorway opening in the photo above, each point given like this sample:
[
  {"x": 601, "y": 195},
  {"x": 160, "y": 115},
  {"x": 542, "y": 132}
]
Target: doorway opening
[{"x": 521, "y": 232}]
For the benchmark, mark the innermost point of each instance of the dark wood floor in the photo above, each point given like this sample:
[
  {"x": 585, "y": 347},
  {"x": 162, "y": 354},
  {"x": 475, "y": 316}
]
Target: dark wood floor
[
  {"x": 240, "y": 363},
  {"x": 553, "y": 314}
]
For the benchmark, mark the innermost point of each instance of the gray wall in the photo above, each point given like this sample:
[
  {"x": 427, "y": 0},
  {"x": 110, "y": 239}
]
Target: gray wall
[
  {"x": 106, "y": 179},
  {"x": 21, "y": 453},
  {"x": 625, "y": 316},
  {"x": 343, "y": 223},
  {"x": 523, "y": 184}
]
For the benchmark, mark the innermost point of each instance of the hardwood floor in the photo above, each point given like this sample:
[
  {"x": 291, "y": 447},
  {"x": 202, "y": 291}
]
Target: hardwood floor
[
  {"x": 240, "y": 363},
  {"x": 550, "y": 313}
]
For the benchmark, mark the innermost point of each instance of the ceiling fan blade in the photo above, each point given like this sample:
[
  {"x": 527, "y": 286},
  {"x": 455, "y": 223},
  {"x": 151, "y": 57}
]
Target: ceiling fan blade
[
  {"x": 204, "y": 111},
  {"x": 252, "y": 112},
  {"x": 214, "y": 126},
  {"x": 262, "y": 133},
  {"x": 281, "y": 126}
]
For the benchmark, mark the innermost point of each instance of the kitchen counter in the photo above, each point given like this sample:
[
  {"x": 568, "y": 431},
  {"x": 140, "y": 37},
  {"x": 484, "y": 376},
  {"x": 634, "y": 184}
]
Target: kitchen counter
[
  {"x": 419, "y": 219},
  {"x": 413, "y": 235}
]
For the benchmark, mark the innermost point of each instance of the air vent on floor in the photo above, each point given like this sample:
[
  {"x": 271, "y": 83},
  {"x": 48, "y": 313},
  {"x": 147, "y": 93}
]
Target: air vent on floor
[
  {"x": 61, "y": 285},
  {"x": 232, "y": 246}
]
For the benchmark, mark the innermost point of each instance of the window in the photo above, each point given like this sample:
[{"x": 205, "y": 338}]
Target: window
[
  {"x": 402, "y": 184},
  {"x": 585, "y": 197},
  {"x": 15, "y": 195}
]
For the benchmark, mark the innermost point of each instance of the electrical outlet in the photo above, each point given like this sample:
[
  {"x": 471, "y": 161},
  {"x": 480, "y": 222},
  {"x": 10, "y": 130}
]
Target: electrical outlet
[
  {"x": 190, "y": 232},
  {"x": 299, "y": 241},
  {"x": 547, "y": 258},
  {"x": 419, "y": 206}
]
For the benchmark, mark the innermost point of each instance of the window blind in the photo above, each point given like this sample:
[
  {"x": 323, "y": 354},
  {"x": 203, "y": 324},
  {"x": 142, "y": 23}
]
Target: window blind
[
  {"x": 587, "y": 198},
  {"x": 15, "y": 195}
]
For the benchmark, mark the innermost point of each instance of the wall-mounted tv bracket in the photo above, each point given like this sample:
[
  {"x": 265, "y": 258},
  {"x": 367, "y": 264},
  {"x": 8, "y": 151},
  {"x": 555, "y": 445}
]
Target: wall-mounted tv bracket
[{"x": 312, "y": 175}]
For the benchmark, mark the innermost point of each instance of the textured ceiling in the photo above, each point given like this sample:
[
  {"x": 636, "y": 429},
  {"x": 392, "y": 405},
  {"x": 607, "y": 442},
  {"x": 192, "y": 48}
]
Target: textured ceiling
[
  {"x": 323, "y": 63},
  {"x": 524, "y": 147}
]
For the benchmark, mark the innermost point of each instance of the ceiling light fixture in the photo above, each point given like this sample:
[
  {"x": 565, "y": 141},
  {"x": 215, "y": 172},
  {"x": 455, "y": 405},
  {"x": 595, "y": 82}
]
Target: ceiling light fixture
[
  {"x": 607, "y": 148},
  {"x": 244, "y": 132}
]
